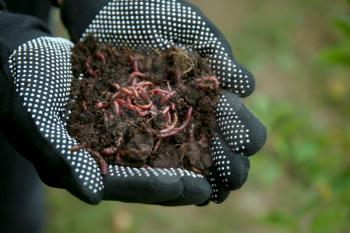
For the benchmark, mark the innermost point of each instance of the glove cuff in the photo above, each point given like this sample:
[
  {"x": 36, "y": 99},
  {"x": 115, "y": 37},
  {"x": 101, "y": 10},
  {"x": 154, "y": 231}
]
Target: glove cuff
[
  {"x": 57, "y": 3},
  {"x": 17, "y": 29},
  {"x": 78, "y": 14}
]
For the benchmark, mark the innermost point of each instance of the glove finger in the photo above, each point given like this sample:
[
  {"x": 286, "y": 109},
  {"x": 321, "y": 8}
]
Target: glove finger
[
  {"x": 220, "y": 193},
  {"x": 237, "y": 126},
  {"x": 164, "y": 24},
  {"x": 194, "y": 193},
  {"x": 169, "y": 187},
  {"x": 229, "y": 171},
  {"x": 42, "y": 74},
  {"x": 230, "y": 168}
]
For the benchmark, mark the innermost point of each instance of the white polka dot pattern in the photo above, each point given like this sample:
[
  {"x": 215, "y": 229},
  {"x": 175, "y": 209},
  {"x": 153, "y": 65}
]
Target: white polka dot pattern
[
  {"x": 120, "y": 171},
  {"x": 229, "y": 170},
  {"x": 166, "y": 23},
  {"x": 221, "y": 161},
  {"x": 42, "y": 75},
  {"x": 232, "y": 126},
  {"x": 214, "y": 185}
]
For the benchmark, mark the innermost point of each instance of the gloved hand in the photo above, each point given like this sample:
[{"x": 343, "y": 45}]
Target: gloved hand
[
  {"x": 35, "y": 80},
  {"x": 165, "y": 23}
]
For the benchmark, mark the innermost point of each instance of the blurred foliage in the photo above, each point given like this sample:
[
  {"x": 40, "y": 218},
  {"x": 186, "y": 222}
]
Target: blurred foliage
[
  {"x": 311, "y": 158},
  {"x": 340, "y": 53},
  {"x": 300, "y": 182}
]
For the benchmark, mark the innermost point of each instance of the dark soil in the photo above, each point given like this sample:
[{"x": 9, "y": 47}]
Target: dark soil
[{"x": 141, "y": 109}]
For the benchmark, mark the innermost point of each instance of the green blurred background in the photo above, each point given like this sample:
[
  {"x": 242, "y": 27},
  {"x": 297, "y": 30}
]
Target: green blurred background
[{"x": 299, "y": 52}]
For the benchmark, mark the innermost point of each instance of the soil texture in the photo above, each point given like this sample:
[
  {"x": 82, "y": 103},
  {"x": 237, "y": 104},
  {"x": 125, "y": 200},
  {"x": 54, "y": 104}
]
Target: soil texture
[{"x": 142, "y": 108}]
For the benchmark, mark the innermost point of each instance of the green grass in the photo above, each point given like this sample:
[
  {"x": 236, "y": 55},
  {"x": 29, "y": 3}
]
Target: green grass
[{"x": 300, "y": 181}]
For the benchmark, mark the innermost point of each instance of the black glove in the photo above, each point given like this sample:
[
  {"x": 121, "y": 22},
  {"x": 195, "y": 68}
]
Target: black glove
[
  {"x": 166, "y": 23},
  {"x": 35, "y": 81}
]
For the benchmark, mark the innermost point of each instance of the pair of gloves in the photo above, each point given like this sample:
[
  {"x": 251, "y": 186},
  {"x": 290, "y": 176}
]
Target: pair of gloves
[{"x": 35, "y": 81}]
